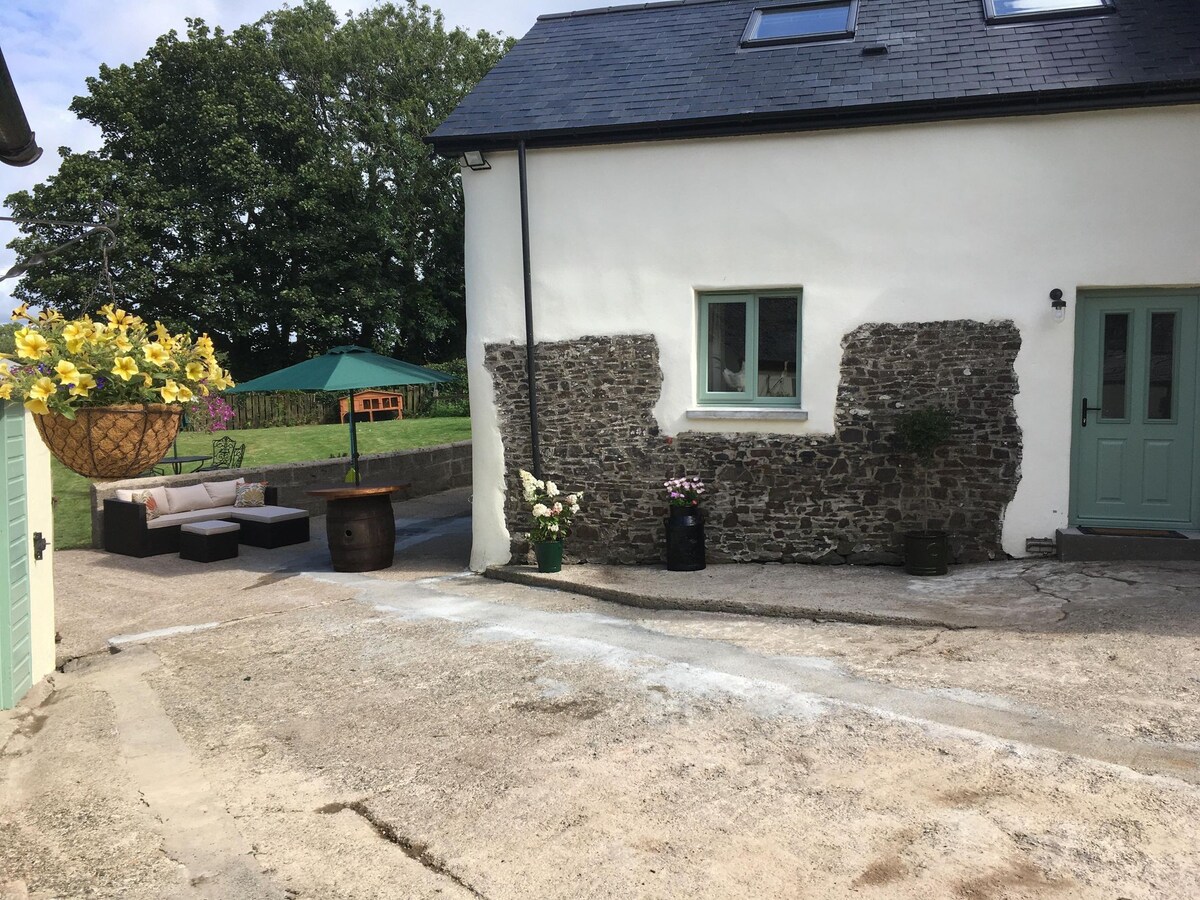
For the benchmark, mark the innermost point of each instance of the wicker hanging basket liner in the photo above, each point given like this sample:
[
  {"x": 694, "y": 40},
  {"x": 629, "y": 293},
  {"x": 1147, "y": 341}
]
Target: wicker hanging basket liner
[{"x": 111, "y": 441}]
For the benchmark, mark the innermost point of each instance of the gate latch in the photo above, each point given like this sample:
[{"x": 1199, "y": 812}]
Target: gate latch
[{"x": 39, "y": 545}]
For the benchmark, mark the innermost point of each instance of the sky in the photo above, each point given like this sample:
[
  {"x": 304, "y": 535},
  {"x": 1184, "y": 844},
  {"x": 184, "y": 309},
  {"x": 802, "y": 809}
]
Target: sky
[{"x": 51, "y": 46}]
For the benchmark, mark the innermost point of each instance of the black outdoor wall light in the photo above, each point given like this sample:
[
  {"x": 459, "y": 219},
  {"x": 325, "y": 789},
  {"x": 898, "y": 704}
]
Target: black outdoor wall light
[
  {"x": 473, "y": 160},
  {"x": 1058, "y": 304}
]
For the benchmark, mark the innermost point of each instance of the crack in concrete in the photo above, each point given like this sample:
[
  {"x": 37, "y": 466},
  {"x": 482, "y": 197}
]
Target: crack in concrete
[
  {"x": 414, "y": 850},
  {"x": 1129, "y": 582},
  {"x": 925, "y": 645},
  {"x": 1035, "y": 582}
]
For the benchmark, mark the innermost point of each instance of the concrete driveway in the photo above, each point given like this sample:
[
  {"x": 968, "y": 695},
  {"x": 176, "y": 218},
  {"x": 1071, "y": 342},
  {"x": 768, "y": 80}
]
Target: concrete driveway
[{"x": 273, "y": 729}]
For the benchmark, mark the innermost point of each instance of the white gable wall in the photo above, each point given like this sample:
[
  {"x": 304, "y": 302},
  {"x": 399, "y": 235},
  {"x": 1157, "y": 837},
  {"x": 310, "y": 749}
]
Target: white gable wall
[{"x": 976, "y": 219}]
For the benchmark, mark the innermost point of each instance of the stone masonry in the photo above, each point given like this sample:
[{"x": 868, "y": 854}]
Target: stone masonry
[{"x": 845, "y": 497}]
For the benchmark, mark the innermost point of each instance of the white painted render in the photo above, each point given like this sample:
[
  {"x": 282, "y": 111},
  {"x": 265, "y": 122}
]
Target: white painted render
[
  {"x": 974, "y": 219},
  {"x": 40, "y": 511}
]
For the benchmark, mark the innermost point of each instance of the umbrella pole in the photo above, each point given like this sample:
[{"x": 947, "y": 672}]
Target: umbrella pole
[{"x": 353, "y": 442}]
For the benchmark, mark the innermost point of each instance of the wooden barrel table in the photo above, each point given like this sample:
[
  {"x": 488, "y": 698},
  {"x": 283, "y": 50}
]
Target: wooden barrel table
[{"x": 360, "y": 525}]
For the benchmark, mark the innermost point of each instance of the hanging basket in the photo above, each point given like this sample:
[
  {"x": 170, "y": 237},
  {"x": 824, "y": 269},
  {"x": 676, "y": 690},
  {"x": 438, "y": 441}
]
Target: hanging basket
[{"x": 111, "y": 441}]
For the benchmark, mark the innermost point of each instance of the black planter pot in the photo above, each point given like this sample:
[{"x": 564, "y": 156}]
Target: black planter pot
[
  {"x": 685, "y": 540},
  {"x": 926, "y": 552}
]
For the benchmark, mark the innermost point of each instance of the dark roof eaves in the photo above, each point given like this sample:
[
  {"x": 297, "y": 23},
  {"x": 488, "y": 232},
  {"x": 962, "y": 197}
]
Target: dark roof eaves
[{"x": 905, "y": 113}]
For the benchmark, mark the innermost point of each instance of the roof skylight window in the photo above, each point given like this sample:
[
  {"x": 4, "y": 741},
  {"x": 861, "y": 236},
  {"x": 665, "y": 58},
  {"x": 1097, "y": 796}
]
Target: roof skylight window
[
  {"x": 821, "y": 20},
  {"x": 1024, "y": 10}
]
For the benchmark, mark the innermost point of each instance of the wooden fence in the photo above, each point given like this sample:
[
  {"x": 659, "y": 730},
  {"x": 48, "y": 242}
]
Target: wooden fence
[
  {"x": 277, "y": 410},
  {"x": 305, "y": 408}
]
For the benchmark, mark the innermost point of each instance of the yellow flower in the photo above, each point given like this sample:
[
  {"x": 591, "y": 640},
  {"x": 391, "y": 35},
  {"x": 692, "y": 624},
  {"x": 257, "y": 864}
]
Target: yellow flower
[
  {"x": 21, "y": 312},
  {"x": 49, "y": 315},
  {"x": 204, "y": 345},
  {"x": 164, "y": 337},
  {"x": 124, "y": 344},
  {"x": 97, "y": 333},
  {"x": 170, "y": 391},
  {"x": 67, "y": 373},
  {"x": 84, "y": 386},
  {"x": 117, "y": 317},
  {"x": 41, "y": 389},
  {"x": 37, "y": 407},
  {"x": 31, "y": 345},
  {"x": 75, "y": 335},
  {"x": 157, "y": 354},
  {"x": 185, "y": 394},
  {"x": 147, "y": 381},
  {"x": 222, "y": 381},
  {"x": 124, "y": 367},
  {"x": 195, "y": 371},
  {"x": 6, "y": 390}
]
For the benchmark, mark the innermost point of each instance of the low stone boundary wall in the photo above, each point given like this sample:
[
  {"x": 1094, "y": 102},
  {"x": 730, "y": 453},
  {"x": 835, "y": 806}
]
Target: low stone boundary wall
[{"x": 428, "y": 470}]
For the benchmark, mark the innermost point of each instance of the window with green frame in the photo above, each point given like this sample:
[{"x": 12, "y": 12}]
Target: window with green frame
[{"x": 750, "y": 349}]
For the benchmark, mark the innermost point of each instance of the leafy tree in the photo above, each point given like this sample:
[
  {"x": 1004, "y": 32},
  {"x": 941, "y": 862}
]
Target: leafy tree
[{"x": 274, "y": 186}]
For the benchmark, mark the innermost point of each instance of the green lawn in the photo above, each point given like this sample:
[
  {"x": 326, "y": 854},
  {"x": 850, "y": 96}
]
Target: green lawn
[{"x": 72, "y": 505}]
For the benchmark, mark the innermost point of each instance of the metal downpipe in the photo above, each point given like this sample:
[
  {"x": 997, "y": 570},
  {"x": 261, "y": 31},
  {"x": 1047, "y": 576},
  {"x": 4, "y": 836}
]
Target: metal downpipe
[{"x": 530, "y": 362}]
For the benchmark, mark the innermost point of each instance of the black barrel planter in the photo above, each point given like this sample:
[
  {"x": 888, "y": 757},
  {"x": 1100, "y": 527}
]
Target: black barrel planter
[
  {"x": 685, "y": 539},
  {"x": 926, "y": 552}
]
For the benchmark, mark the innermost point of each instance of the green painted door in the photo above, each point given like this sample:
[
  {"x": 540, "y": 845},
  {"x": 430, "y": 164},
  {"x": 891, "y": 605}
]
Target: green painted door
[
  {"x": 16, "y": 646},
  {"x": 1135, "y": 410}
]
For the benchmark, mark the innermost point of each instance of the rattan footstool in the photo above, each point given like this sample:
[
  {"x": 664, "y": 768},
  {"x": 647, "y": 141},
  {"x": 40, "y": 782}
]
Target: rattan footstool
[
  {"x": 208, "y": 541},
  {"x": 272, "y": 526}
]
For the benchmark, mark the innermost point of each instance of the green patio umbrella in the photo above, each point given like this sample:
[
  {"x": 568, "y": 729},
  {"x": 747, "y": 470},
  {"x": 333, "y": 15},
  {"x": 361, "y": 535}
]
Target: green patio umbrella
[{"x": 346, "y": 369}]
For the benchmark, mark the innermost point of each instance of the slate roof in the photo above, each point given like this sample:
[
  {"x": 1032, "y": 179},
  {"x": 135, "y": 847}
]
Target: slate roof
[{"x": 676, "y": 69}]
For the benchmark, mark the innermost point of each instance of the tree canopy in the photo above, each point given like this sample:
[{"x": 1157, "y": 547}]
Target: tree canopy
[{"x": 274, "y": 186}]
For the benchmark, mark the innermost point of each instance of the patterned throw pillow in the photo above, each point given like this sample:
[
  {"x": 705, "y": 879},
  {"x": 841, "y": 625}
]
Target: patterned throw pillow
[
  {"x": 146, "y": 498},
  {"x": 252, "y": 494}
]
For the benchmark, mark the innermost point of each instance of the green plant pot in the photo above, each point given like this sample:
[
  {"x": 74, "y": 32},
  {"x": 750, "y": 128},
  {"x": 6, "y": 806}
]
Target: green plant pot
[
  {"x": 549, "y": 556},
  {"x": 926, "y": 552}
]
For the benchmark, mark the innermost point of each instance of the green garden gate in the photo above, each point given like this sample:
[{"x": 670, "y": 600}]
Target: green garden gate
[{"x": 16, "y": 645}]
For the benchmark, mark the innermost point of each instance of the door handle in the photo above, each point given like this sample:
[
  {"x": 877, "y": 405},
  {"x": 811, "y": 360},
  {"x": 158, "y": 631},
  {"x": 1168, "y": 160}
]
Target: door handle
[{"x": 1084, "y": 409}]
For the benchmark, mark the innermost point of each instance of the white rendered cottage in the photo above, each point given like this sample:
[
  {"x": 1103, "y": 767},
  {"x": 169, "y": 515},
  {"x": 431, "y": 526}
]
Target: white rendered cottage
[{"x": 756, "y": 231}]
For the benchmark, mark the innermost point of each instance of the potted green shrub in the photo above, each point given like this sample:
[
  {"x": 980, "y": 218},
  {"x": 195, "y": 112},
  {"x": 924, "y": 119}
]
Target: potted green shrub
[{"x": 921, "y": 432}]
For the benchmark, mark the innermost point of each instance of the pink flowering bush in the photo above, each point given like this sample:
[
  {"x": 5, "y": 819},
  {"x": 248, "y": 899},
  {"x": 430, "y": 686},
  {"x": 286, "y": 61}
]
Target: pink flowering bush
[
  {"x": 684, "y": 491},
  {"x": 212, "y": 413}
]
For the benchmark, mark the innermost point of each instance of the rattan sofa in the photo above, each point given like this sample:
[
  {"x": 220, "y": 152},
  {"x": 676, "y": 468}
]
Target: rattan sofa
[{"x": 128, "y": 531}]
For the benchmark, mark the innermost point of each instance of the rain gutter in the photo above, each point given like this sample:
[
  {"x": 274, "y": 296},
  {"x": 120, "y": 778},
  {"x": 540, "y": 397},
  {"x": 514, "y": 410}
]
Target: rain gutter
[{"x": 18, "y": 146}]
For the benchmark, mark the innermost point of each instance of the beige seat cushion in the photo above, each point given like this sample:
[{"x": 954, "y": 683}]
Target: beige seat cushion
[
  {"x": 195, "y": 515},
  {"x": 193, "y": 496},
  {"x": 211, "y": 527},
  {"x": 269, "y": 513}
]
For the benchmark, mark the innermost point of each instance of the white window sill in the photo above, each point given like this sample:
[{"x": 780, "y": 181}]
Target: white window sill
[{"x": 790, "y": 414}]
